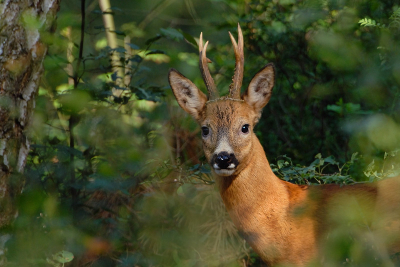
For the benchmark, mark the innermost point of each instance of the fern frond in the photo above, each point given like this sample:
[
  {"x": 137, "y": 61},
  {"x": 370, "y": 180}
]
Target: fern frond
[
  {"x": 367, "y": 22},
  {"x": 395, "y": 15},
  {"x": 395, "y": 19}
]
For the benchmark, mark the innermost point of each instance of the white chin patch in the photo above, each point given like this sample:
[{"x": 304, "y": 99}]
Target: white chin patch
[{"x": 224, "y": 172}]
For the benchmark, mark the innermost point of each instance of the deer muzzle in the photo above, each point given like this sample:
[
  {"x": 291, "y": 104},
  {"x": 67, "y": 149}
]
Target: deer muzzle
[{"x": 224, "y": 163}]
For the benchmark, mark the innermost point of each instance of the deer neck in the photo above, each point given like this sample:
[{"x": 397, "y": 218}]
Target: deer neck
[
  {"x": 254, "y": 193},
  {"x": 260, "y": 205}
]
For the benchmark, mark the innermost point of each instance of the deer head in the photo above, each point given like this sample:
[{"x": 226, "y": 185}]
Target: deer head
[{"x": 227, "y": 123}]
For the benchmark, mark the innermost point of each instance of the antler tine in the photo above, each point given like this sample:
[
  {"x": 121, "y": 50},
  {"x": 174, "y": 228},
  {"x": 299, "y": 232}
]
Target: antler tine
[
  {"x": 205, "y": 72},
  {"x": 234, "y": 88},
  {"x": 201, "y": 43}
]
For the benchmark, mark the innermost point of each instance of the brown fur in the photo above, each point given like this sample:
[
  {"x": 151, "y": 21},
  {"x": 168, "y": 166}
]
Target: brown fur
[{"x": 286, "y": 224}]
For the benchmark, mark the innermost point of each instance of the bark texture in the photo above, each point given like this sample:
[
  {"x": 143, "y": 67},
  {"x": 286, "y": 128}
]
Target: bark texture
[{"x": 22, "y": 23}]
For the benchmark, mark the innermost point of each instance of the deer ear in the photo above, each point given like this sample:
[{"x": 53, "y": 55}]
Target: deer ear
[
  {"x": 189, "y": 97},
  {"x": 260, "y": 88}
]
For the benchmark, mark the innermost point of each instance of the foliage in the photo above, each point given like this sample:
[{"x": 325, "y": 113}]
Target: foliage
[
  {"x": 369, "y": 23},
  {"x": 339, "y": 174},
  {"x": 394, "y": 21},
  {"x": 60, "y": 258},
  {"x": 373, "y": 174},
  {"x": 119, "y": 180},
  {"x": 314, "y": 173}
]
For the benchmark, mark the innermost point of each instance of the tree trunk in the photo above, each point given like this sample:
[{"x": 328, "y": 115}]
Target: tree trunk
[
  {"x": 22, "y": 23},
  {"x": 108, "y": 21}
]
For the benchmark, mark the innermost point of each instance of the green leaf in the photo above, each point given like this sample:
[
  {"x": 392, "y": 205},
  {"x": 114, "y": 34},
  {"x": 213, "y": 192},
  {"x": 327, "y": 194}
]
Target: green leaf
[
  {"x": 367, "y": 22},
  {"x": 353, "y": 157},
  {"x": 119, "y": 50},
  {"x": 315, "y": 163},
  {"x": 120, "y": 33},
  {"x": 116, "y": 9},
  {"x": 171, "y": 33},
  {"x": 97, "y": 11},
  {"x": 189, "y": 38},
  {"x": 281, "y": 163},
  {"x": 114, "y": 76},
  {"x": 154, "y": 39},
  {"x": 180, "y": 191},
  {"x": 136, "y": 58},
  {"x": 155, "y": 52},
  {"x": 133, "y": 46},
  {"x": 331, "y": 160},
  {"x": 63, "y": 256},
  {"x": 335, "y": 108},
  {"x": 346, "y": 108}
]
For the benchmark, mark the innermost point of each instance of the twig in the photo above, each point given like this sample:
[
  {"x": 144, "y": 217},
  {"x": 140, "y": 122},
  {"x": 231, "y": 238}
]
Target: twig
[{"x": 83, "y": 14}]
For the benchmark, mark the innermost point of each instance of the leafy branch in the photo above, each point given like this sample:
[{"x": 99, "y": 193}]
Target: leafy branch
[
  {"x": 373, "y": 174},
  {"x": 394, "y": 21},
  {"x": 314, "y": 173}
]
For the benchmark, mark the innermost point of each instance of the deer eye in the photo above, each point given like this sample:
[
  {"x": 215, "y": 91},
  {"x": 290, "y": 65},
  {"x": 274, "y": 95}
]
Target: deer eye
[
  {"x": 245, "y": 128},
  {"x": 205, "y": 131}
]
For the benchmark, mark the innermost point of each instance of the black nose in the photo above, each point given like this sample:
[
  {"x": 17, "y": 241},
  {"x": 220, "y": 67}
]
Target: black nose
[{"x": 224, "y": 159}]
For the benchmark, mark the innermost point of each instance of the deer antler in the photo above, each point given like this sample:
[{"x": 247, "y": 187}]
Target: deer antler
[
  {"x": 205, "y": 72},
  {"x": 234, "y": 88}
]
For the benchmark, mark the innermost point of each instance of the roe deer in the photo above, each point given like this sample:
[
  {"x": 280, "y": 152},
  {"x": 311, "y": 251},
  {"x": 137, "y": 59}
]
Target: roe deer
[{"x": 285, "y": 223}]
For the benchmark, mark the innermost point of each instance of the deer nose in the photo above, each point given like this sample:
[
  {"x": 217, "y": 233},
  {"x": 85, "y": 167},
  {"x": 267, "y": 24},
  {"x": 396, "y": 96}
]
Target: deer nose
[{"x": 224, "y": 159}]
